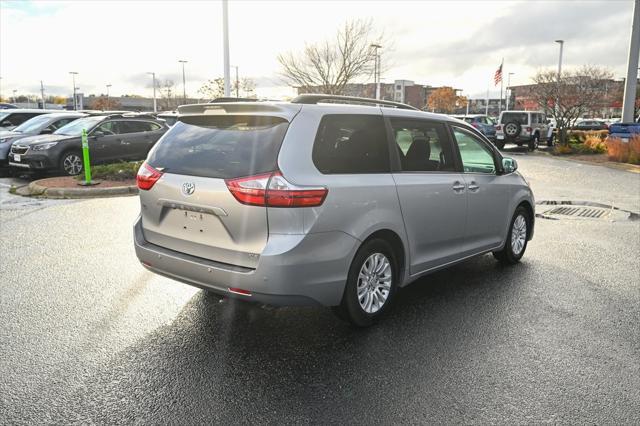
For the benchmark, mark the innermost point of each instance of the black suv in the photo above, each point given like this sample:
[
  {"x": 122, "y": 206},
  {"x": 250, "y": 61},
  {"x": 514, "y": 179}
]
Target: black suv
[{"x": 111, "y": 138}]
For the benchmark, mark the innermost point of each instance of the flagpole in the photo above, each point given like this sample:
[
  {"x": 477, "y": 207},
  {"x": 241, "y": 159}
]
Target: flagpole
[
  {"x": 486, "y": 107},
  {"x": 501, "y": 82}
]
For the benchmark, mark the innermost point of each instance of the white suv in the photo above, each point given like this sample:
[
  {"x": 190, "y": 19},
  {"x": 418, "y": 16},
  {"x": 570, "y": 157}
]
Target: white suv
[{"x": 521, "y": 127}]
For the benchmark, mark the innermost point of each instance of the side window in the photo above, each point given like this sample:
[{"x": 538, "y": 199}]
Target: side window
[
  {"x": 108, "y": 128},
  {"x": 534, "y": 118},
  {"x": 152, "y": 127},
  {"x": 133, "y": 127},
  {"x": 351, "y": 144},
  {"x": 422, "y": 146},
  {"x": 476, "y": 156},
  {"x": 17, "y": 119},
  {"x": 59, "y": 123}
]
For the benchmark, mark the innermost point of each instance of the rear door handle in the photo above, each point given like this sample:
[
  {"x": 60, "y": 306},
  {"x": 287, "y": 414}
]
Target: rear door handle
[
  {"x": 123, "y": 142},
  {"x": 458, "y": 187},
  {"x": 473, "y": 187}
]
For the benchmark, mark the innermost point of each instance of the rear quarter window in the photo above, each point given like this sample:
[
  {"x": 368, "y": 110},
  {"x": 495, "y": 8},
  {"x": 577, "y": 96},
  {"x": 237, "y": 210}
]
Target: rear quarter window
[
  {"x": 351, "y": 143},
  {"x": 222, "y": 147}
]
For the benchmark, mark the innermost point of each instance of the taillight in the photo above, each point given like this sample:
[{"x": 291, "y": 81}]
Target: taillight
[
  {"x": 498, "y": 127},
  {"x": 476, "y": 125},
  {"x": 147, "y": 176},
  {"x": 273, "y": 190},
  {"x": 529, "y": 129}
]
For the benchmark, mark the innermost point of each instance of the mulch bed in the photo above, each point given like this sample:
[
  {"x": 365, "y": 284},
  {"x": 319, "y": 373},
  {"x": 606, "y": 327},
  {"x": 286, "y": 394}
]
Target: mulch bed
[{"x": 71, "y": 182}]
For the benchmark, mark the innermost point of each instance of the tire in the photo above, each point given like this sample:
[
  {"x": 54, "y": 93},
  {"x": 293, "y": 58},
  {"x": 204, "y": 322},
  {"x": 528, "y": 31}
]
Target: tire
[
  {"x": 512, "y": 252},
  {"x": 358, "y": 305},
  {"x": 533, "y": 142},
  {"x": 71, "y": 163},
  {"x": 512, "y": 129}
]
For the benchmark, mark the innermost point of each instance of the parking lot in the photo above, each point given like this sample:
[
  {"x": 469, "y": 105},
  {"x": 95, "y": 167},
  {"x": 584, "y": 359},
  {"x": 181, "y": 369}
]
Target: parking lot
[{"x": 88, "y": 335}]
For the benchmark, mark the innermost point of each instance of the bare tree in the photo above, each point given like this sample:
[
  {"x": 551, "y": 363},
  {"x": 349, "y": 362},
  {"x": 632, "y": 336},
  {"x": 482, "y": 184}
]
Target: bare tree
[
  {"x": 578, "y": 92},
  {"x": 248, "y": 86},
  {"x": 167, "y": 94},
  {"x": 329, "y": 66},
  {"x": 212, "y": 88}
]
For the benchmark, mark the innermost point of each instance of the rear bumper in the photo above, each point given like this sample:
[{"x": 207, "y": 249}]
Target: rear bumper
[{"x": 293, "y": 270}]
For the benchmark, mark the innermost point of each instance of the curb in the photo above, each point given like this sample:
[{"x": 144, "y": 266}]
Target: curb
[
  {"x": 35, "y": 189},
  {"x": 632, "y": 168}
]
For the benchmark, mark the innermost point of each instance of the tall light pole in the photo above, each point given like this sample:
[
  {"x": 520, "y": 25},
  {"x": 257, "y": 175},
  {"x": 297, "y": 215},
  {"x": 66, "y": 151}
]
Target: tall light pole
[
  {"x": 73, "y": 78},
  {"x": 631, "y": 82},
  {"x": 44, "y": 104},
  {"x": 376, "y": 68},
  {"x": 508, "y": 89},
  {"x": 184, "y": 84},
  {"x": 561, "y": 42},
  {"x": 155, "y": 105},
  {"x": 225, "y": 30},
  {"x": 237, "y": 82},
  {"x": 14, "y": 96},
  {"x": 108, "y": 85}
]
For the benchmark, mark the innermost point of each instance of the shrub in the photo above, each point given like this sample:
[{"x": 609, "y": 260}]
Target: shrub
[
  {"x": 624, "y": 152},
  {"x": 594, "y": 144},
  {"x": 580, "y": 136},
  {"x": 115, "y": 171},
  {"x": 562, "y": 149},
  {"x": 634, "y": 150}
]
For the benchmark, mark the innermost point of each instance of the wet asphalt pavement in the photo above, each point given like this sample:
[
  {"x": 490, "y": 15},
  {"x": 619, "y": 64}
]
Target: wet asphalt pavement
[{"x": 88, "y": 335}]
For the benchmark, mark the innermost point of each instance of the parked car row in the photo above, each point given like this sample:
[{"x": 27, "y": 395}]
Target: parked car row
[{"x": 51, "y": 141}]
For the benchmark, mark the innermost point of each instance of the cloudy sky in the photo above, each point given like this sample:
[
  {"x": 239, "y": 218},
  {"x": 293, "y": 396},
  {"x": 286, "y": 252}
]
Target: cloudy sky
[{"x": 456, "y": 43}]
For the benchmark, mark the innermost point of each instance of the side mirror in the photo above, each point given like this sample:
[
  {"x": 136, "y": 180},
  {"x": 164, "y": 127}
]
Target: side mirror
[
  {"x": 509, "y": 165},
  {"x": 97, "y": 134}
]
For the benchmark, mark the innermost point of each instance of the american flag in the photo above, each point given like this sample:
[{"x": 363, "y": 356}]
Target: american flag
[{"x": 497, "y": 78}]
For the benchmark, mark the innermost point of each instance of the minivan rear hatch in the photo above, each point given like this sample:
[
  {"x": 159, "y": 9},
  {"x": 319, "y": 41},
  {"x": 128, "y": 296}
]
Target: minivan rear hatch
[{"x": 190, "y": 209}]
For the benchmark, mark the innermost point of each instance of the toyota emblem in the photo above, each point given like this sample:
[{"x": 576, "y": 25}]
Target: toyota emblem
[{"x": 188, "y": 188}]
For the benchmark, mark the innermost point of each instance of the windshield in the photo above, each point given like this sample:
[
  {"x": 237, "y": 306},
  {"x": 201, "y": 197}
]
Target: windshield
[
  {"x": 33, "y": 125},
  {"x": 75, "y": 127}
]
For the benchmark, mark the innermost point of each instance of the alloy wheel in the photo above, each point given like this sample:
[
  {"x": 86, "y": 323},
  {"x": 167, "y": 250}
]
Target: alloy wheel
[
  {"x": 374, "y": 283},
  {"x": 72, "y": 164},
  {"x": 518, "y": 234}
]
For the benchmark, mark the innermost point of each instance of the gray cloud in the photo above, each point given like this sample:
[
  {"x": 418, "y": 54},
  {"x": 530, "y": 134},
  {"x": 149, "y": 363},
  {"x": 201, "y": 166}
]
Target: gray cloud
[{"x": 595, "y": 32}]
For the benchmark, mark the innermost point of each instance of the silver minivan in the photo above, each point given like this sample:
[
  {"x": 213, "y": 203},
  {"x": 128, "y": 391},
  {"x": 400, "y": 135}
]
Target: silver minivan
[{"x": 320, "y": 201}]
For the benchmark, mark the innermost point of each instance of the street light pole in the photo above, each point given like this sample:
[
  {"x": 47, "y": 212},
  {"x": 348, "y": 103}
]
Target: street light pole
[
  {"x": 225, "y": 30},
  {"x": 155, "y": 105},
  {"x": 631, "y": 82},
  {"x": 73, "y": 77},
  {"x": 237, "y": 82},
  {"x": 376, "y": 68},
  {"x": 509, "y": 89},
  {"x": 44, "y": 104},
  {"x": 184, "y": 85},
  {"x": 561, "y": 42},
  {"x": 108, "y": 85},
  {"x": 14, "y": 96}
]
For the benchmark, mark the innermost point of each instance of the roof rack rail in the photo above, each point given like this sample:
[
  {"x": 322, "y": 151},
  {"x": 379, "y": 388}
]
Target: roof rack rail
[
  {"x": 317, "y": 98},
  {"x": 231, "y": 99}
]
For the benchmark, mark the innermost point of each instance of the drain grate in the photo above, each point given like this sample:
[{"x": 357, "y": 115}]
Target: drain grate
[{"x": 579, "y": 211}]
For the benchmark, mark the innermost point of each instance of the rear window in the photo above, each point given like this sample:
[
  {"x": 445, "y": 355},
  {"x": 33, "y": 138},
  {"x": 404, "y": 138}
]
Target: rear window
[
  {"x": 351, "y": 144},
  {"x": 518, "y": 117},
  {"x": 222, "y": 147}
]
